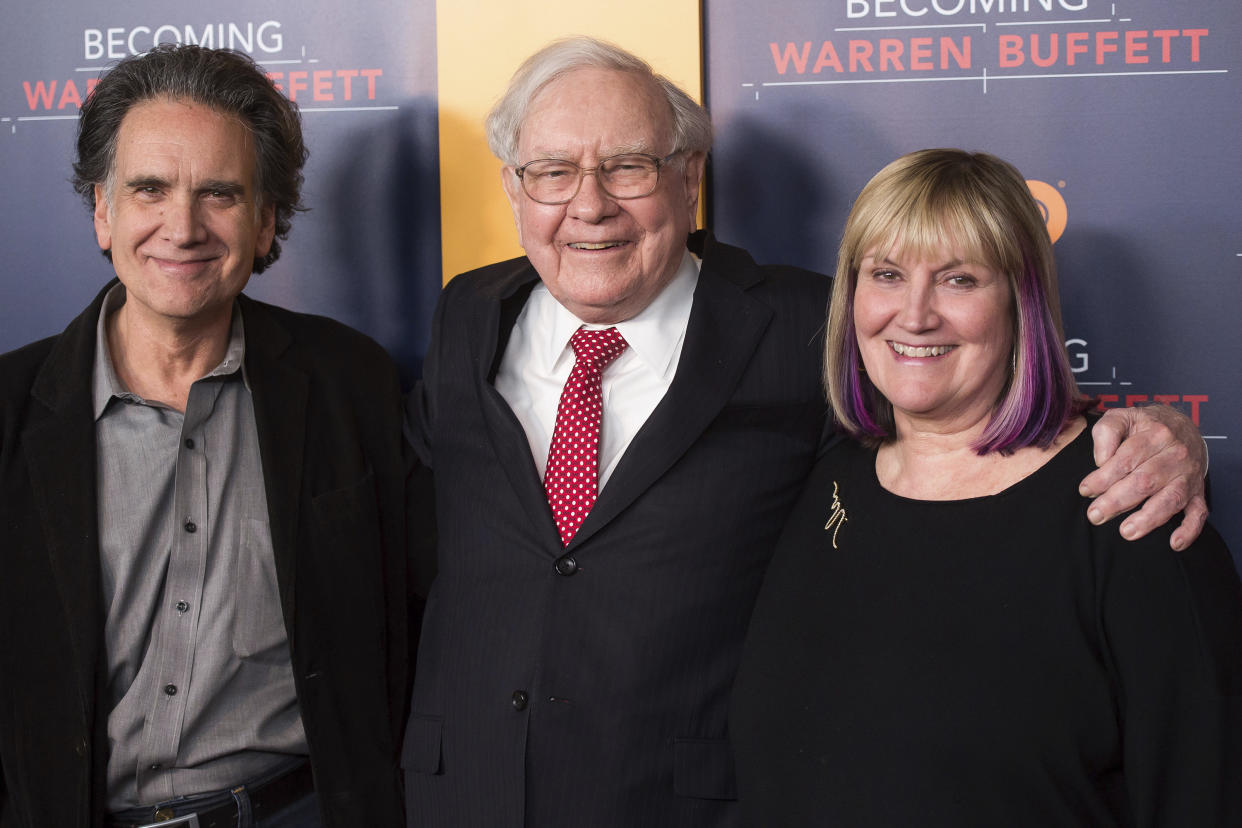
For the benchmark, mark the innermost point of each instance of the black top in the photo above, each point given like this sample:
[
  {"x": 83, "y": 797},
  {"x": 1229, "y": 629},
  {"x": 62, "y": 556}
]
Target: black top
[{"x": 990, "y": 661}]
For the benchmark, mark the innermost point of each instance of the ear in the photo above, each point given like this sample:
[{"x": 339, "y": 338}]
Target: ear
[
  {"x": 513, "y": 191},
  {"x": 692, "y": 180},
  {"x": 103, "y": 228},
  {"x": 267, "y": 231}
]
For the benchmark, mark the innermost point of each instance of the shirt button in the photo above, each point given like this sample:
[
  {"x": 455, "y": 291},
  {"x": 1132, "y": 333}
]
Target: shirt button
[
  {"x": 520, "y": 700},
  {"x": 155, "y": 766},
  {"x": 566, "y": 566},
  {"x": 182, "y": 606},
  {"x": 170, "y": 689},
  {"x": 189, "y": 442},
  {"x": 191, "y": 527}
]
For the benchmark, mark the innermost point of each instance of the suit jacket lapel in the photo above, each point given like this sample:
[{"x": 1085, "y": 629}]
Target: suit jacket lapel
[
  {"x": 60, "y": 454},
  {"x": 508, "y": 439},
  {"x": 280, "y": 389},
  {"x": 724, "y": 329}
]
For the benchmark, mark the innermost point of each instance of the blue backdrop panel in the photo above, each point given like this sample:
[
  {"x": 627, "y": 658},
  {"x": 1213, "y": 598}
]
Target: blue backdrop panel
[
  {"x": 364, "y": 75},
  {"x": 1126, "y": 115}
]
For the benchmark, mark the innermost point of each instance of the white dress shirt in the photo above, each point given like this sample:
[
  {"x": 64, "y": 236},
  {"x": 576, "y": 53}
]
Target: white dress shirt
[{"x": 538, "y": 359}]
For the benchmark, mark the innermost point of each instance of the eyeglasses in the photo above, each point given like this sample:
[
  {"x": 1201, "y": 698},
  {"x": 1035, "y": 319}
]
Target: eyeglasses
[{"x": 630, "y": 175}]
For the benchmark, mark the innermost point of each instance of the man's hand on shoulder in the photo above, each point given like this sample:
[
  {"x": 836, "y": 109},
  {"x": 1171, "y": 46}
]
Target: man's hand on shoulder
[{"x": 1154, "y": 456}]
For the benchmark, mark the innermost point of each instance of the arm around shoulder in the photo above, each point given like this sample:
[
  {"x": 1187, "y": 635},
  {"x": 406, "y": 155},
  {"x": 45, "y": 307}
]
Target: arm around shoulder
[{"x": 1151, "y": 457}]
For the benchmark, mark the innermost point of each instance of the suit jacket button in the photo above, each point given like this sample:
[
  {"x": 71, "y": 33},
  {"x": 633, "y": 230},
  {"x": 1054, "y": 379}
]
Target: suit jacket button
[
  {"x": 566, "y": 566},
  {"x": 520, "y": 700}
]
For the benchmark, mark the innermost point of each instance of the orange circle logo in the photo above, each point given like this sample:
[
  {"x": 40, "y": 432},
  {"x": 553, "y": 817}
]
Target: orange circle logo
[{"x": 1051, "y": 205}]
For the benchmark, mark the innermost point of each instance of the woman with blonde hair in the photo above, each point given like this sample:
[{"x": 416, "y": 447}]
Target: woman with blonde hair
[{"x": 943, "y": 638}]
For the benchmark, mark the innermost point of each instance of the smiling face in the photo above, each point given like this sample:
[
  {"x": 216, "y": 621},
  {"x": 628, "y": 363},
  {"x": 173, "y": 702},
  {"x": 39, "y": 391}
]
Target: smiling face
[
  {"x": 181, "y": 214},
  {"x": 935, "y": 335},
  {"x": 604, "y": 259}
]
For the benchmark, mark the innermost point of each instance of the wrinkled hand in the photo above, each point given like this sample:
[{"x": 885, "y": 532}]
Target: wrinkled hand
[{"x": 1162, "y": 461}]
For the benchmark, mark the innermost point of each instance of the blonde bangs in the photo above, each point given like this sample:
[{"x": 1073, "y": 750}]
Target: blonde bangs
[{"x": 920, "y": 216}]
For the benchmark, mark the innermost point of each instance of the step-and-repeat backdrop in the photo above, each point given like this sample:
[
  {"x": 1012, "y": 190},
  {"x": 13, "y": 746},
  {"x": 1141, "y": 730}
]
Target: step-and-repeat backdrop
[
  {"x": 364, "y": 76},
  {"x": 1124, "y": 115}
]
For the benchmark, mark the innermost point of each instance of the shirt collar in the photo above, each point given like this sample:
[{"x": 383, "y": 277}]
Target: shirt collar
[
  {"x": 654, "y": 334},
  {"x": 106, "y": 384}
]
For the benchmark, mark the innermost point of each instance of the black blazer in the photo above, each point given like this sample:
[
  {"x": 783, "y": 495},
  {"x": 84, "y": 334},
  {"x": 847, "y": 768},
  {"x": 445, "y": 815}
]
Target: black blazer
[
  {"x": 328, "y": 411},
  {"x": 594, "y": 692}
]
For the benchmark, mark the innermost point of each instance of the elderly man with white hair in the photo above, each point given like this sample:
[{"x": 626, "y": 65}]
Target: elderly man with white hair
[{"x": 619, "y": 423}]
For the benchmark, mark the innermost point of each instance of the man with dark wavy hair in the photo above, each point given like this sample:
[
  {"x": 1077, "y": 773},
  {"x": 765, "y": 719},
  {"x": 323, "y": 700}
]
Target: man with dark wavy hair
[{"x": 202, "y": 605}]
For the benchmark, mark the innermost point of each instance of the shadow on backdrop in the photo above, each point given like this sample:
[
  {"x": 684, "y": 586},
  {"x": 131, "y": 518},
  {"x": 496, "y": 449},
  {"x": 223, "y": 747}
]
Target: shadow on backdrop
[{"x": 382, "y": 187}]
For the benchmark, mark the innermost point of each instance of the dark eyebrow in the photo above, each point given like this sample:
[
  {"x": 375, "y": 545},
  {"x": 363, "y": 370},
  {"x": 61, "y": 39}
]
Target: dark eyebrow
[
  {"x": 223, "y": 186},
  {"x": 146, "y": 181}
]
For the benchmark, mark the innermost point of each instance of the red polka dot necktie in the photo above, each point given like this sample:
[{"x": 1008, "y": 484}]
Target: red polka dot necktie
[{"x": 572, "y": 477}]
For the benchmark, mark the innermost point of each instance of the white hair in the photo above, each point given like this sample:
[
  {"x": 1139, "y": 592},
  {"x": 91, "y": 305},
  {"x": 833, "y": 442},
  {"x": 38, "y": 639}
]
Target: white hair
[{"x": 692, "y": 127}]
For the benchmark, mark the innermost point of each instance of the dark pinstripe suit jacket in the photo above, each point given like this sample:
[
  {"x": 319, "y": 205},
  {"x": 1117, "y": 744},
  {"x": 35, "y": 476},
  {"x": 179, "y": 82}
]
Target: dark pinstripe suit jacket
[{"x": 595, "y": 694}]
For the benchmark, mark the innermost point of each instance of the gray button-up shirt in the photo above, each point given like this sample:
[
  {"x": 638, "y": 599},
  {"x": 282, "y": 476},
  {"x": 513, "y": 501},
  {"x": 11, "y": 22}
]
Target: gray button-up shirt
[{"x": 200, "y": 686}]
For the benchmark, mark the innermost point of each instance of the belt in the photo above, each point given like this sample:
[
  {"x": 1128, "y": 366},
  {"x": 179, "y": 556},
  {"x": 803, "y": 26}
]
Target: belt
[{"x": 219, "y": 810}]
